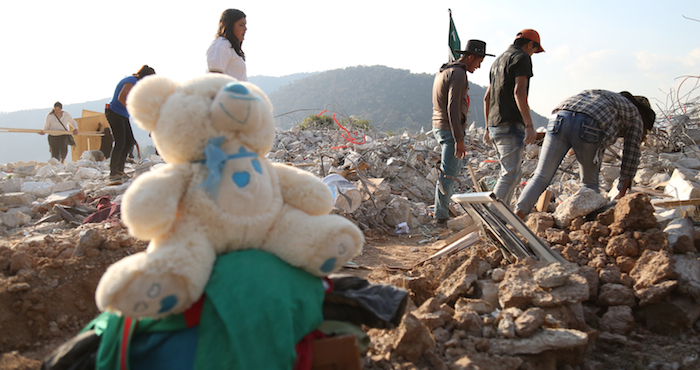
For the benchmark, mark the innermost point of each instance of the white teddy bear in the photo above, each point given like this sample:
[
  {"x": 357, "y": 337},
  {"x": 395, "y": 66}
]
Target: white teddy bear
[{"x": 217, "y": 193}]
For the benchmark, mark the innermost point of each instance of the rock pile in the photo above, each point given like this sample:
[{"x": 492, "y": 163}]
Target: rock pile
[{"x": 625, "y": 276}]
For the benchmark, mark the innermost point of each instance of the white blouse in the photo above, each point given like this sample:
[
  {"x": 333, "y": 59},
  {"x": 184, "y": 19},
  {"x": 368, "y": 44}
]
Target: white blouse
[
  {"x": 52, "y": 123},
  {"x": 221, "y": 57}
]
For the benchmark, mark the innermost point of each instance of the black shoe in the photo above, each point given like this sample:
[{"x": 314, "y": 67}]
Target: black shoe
[{"x": 442, "y": 222}]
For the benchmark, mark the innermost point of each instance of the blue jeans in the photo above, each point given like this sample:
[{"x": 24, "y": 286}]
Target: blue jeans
[
  {"x": 451, "y": 166},
  {"x": 566, "y": 130},
  {"x": 509, "y": 141}
]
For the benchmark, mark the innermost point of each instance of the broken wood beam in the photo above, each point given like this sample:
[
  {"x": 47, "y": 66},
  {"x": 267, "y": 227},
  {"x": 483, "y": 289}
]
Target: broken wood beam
[
  {"x": 676, "y": 203},
  {"x": 543, "y": 201}
]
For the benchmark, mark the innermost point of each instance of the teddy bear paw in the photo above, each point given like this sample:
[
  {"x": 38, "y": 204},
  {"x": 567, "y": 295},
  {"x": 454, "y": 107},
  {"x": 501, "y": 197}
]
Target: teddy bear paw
[
  {"x": 150, "y": 296},
  {"x": 343, "y": 248}
]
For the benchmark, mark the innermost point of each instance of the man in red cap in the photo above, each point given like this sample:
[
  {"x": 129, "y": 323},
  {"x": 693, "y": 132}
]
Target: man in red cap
[{"x": 507, "y": 110}]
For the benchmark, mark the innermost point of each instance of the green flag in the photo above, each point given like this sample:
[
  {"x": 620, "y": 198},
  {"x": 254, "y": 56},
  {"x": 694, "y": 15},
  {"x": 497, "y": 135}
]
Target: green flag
[{"x": 453, "y": 42}]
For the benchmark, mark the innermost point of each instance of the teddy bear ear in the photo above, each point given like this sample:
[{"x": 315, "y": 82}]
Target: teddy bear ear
[{"x": 147, "y": 97}]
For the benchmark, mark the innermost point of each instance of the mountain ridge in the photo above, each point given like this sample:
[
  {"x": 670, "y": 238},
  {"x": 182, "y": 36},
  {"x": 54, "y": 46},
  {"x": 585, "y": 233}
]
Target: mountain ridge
[{"x": 391, "y": 99}]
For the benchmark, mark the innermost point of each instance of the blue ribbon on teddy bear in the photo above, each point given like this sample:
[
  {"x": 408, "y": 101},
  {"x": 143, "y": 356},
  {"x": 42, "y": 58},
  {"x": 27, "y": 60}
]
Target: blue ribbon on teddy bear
[{"x": 215, "y": 159}]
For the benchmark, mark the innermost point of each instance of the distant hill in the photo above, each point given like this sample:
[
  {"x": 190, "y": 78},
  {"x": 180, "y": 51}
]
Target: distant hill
[
  {"x": 269, "y": 84},
  {"x": 392, "y": 99}
]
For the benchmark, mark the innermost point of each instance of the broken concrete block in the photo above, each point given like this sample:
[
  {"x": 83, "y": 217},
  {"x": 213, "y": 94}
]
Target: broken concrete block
[
  {"x": 413, "y": 339},
  {"x": 468, "y": 321},
  {"x": 479, "y": 306},
  {"x": 617, "y": 320},
  {"x": 688, "y": 162},
  {"x": 582, "y": 203},
  {"x": 622, "y": 245},
  {"x": 633, "y": 212},
  {"x": 459, "y": 282},
  {"x": 681, "y": 235},
  {"x": 644, "y": 175},
  {"x": 65, "y": 186},
  {"x": 67, "y": 198},
  {"x": 539, "y": 223},
  {"x": 554, "y": 275},
  {"x": 656, "y": 292},
  {"x": 683, "y": 185},
  {"x": 16, "y": 199},
  {"x": 86, "y": 173},
  {"x": 37, "y": 189},
  {"x": 489, "y": 292},
  {"x": 529, "y": 322},
  {"x": 652, "y": 268},
  {"x": 687, "y": 267},
  {"x": 544, "y": 340},
  {"x": 518, "y": 288},
  {"x": 48, "y": 171},
  {"x": 12, "y": 185},
  {"x": 609, "y": 173},
  {"x": 653, "y": 239},
  {"x": 615, "y": 295}
]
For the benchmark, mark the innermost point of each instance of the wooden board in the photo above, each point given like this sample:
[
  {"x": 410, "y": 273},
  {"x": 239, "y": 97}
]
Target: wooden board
[
  {"x": 90, "y": 121},
  {"x": 676, "y": 203},
  {"x": 543, "y": 202}
]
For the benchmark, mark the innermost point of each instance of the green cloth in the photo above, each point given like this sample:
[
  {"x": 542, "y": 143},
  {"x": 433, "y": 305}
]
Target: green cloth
[
  {"x": 270, "y": 308},
  {"x": 256, "y": 309}
]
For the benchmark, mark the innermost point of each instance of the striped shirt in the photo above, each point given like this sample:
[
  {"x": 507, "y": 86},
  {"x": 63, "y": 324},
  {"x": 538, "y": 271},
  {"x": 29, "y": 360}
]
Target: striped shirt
[{"x": 617, "y": 117}]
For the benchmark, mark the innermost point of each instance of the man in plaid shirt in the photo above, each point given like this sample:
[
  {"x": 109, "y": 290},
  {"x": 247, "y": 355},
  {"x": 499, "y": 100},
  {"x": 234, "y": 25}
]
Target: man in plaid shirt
[{"x": 589, "y": 122}]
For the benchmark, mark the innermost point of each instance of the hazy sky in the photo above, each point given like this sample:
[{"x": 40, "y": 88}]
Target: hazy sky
[{"x": 76, "y": 51}]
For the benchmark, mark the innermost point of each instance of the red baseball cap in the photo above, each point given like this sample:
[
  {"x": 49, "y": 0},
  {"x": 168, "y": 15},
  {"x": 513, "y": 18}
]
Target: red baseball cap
[{"x": 531, "y": 35}]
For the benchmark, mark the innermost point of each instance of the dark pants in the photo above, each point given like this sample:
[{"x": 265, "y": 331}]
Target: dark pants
[
  {"x": 59, "y": 146},
  {"x": 123, "y": 140}
]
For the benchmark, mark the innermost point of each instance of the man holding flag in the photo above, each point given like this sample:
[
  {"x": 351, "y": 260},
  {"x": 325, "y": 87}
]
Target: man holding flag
[{"x": 450, "y": 107}]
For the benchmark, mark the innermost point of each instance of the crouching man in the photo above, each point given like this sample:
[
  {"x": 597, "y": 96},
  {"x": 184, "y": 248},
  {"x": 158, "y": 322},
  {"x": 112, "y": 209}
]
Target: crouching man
[{"x": 589, "y": 122}]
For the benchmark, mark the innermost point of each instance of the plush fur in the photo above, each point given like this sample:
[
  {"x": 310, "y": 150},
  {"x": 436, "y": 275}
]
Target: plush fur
[{"x": 255, "y": 205}]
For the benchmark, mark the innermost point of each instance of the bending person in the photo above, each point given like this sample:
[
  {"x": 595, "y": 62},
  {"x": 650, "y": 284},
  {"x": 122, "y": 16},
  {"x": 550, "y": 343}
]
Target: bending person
[
  {"x": 589, "y": 123},
  {"x": 225, "y": 54},
  {"x": 59, "y": 120},
  {"x": 118, "y": 118}
]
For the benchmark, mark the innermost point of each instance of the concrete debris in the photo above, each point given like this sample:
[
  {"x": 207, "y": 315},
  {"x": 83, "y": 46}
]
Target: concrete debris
[{"x": 628, "y": 269}]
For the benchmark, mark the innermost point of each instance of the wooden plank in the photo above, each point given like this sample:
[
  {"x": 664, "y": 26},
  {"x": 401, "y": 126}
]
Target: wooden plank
[
  {"x": 477, "y": 187},
  {"x": 543, "y": 202},
  {"x": 467, "y": 230},
  {"x": 676, "y": 203},
  {"x": 53, "y": 132}
]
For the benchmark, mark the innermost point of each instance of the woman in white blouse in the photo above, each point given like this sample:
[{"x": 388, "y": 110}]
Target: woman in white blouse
[
  {"x": 59, "y": 120},
  {"x": 225, "y": 54}
]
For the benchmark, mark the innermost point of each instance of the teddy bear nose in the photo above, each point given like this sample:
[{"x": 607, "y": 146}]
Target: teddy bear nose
[{"x": 236, "y": 88}]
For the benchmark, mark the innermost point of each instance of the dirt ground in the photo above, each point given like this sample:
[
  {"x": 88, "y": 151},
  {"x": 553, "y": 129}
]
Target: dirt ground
[{"x": 50, "y": 298}]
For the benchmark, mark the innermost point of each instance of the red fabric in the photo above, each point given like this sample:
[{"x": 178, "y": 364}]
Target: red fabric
[
  {"x": 125, "y": 343},
  {"x": 194, "y": 313},
  {"x": 305, "y": 350}
]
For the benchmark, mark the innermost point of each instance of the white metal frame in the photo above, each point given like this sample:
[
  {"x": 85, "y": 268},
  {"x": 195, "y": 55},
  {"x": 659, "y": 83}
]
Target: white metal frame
[{"x": 481, "y": 206}]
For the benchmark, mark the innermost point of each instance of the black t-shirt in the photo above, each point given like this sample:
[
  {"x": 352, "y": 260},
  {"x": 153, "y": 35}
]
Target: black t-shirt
[{"x": 513, "y": 63}]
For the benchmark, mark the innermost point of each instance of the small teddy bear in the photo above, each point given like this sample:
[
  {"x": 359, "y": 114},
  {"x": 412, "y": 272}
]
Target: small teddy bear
[{"x": 217, "y": 193}]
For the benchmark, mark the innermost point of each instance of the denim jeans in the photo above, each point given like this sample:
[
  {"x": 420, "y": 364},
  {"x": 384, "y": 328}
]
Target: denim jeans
[
  {"x": 566, "y": 130},
  {"x": 451, "y": 166},
  {"x": 509, "y": 141}
]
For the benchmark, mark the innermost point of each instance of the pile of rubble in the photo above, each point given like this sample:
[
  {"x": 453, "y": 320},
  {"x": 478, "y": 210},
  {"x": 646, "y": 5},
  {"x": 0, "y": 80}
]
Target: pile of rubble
[
  {"x": 626, "y": 279},
  {"x": 633, "y": 268}
]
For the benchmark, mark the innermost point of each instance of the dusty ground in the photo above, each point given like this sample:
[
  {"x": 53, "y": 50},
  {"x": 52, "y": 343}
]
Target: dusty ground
[{"x": 44, "y": 305}]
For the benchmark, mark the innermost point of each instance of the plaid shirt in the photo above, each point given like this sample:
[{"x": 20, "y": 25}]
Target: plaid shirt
[{"x": 617, "y": 117}]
